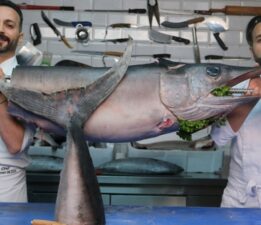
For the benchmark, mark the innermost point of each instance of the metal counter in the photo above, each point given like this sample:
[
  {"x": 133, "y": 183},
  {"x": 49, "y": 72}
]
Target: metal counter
[{"x": 186, "y": 189}]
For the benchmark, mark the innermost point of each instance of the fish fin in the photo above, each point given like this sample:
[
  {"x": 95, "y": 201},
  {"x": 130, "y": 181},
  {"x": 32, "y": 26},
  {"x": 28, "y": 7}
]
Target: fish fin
[
  {"x": 34, "y": 102},
  {"x": 59, "y": 107},
  {"x": 79, "y": 168},
  {"x": 167, "y": 63},
  {"x": 104, "y": 86}
]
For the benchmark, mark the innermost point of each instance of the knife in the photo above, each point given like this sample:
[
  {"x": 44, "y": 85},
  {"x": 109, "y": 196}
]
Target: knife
[
  {"x": 165, "y": 38},
  {"x": 182, "y": 24},
  {"x": 137, "y": 11},
  {"x": 72, "y": 23},
  {"x": 220, "y": 57},
  {"x": 116, "y": 40},
  {"x": 45, "y": 7},
  {"x": 122, "y": 25},
  {"x": 119, "y": 54},
  {"x": 56, "y": 31}
]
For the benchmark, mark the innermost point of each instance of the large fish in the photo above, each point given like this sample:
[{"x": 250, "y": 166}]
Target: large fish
[{"x": 113, "y": 105}]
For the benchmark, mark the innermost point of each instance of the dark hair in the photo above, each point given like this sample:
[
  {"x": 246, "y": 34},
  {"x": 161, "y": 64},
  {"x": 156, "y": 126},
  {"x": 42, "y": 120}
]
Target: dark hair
[
  {"x": 250, "y": 27},
  {"x": 14, "y": 7}
]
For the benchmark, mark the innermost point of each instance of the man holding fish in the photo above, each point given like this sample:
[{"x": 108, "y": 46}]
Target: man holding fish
[
  {"x": 14, "y": 137},
  {"x": 243, "y": 130}
]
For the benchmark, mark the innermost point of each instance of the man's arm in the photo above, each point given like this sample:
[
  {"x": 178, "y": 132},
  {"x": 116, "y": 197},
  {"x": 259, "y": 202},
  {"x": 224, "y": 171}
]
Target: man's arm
[
  {"x": 237, "y": 117},
  {"x": 11, "y": 131},
  {"x": 225, "y": 133}
]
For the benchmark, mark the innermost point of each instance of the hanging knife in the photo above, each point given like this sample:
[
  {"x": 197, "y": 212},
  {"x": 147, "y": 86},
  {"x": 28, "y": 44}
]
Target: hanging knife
[
  {"x": 56, "y": 31},
  {"x": 119, "y": 54},
  {"x": 220, "y": 57},
  {"x": 116, "y": 40},
  {"x": 123, "y": 25},
  {"x": 72, "y": 23},
  {"x": 182, "y": 24},
  {"x": 45, "y": 7},
  {"x": 136, "y": 11},
  {"x": 165, "y": 38}
]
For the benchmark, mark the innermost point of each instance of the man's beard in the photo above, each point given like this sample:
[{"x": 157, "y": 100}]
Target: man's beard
[
  {"x": 10, "y": 46},
  {"x": 258, "y": 60}
]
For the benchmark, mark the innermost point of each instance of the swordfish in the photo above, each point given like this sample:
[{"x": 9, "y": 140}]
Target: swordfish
[{"x": 122, "y": 103}]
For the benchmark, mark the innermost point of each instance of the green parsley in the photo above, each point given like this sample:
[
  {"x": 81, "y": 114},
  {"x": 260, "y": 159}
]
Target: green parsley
[{"x": 187, "y": 128}]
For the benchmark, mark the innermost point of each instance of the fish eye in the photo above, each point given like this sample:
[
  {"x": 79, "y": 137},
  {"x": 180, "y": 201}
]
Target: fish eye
[{"x": 213, "y": 71}]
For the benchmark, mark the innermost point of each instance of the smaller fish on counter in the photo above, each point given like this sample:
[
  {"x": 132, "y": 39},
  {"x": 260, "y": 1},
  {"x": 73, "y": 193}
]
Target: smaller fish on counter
[{"x": 139, "y": 166}]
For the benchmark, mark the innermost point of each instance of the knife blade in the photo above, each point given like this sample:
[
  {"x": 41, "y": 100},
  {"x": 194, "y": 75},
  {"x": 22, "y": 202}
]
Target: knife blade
[
  {"x": 165, "y": 38},
  {"x": 123, "y": 25},
  {"x": 55, "y": 30},
  {"x": 119, "y": 54},
  {"x": 72, "y": 23},
  {"x": 220, "y": 57},
  {"x": 183, "y": 24}
]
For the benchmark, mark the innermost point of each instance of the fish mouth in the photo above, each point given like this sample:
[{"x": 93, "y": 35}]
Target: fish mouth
[
  {"x": 237, "y": 96},
  {"x": 218, "y": 106},
  {"x": 215, "y": 106}
]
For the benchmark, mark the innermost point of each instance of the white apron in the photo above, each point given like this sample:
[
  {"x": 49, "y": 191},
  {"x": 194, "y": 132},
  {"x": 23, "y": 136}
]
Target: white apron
[
  {"x": 244, "y": 181},
  {"x": 13, "y": 184}
]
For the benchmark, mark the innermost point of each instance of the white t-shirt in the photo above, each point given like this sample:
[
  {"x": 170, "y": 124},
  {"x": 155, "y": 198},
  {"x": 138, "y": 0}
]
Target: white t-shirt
[
  {"x": 244, "y": 180},
  {"x": 12, "y": 166}
]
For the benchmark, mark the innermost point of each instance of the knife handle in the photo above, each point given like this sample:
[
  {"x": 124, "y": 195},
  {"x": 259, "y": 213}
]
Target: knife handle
[
  {"x": 138, "y": 11},
  {"x": 203, "y": 12},
  {"x": 117, "y": 40},
  {"x": 113, "y": 53},
  {"x": 180, "y": 39},
  {"x": 83, "y": 23},
  {"x": 120, "y": 25},
  {"x": 220, "y": 41},
  {"x": 196, "y": 20},
  {"x": 207, "y": 57},
  {"x": 163, "y": 55}
]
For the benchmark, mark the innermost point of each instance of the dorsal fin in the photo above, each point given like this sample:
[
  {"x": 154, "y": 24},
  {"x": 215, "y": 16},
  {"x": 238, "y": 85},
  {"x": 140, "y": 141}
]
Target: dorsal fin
[{"x": 167, "y": 63}]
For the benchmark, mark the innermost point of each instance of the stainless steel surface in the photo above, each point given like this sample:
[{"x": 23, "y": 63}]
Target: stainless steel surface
[{"x": 186, "y": 189}]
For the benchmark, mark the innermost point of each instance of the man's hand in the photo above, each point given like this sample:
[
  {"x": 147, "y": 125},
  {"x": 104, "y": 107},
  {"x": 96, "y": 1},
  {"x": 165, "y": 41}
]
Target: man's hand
[
  {"x": 2, "y": 97},
  {"x": 255, "y": 85}
]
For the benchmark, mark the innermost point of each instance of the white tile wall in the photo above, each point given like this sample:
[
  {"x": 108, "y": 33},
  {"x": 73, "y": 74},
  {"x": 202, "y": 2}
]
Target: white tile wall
[{"x": 234, "y": 37}]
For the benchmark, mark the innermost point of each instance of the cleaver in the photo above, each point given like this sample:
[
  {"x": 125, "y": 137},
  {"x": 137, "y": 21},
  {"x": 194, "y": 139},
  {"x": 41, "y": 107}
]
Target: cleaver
[{"x": 165, "y": 38}]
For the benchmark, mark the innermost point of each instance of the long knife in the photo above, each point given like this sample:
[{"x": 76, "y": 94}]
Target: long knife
[
  {"x": 56, "y": 31},
  {"x": 116, "y": 40},
  {"x": 220, "y": 57},
  {"x": 165, "y": 38},
  {"x": 123, "y": 25},
  {"x": 119, "y": 54},
  {"x": 72, "y": 23},
  {"x": 45, "y": 7},
  {"x": 137, "y": 11},
  {"x": 227, "y": 10},
  {"x": 182, "y": 24}
]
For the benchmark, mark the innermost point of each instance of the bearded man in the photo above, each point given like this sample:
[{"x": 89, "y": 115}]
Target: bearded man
[{"x": 15, "y": 137}]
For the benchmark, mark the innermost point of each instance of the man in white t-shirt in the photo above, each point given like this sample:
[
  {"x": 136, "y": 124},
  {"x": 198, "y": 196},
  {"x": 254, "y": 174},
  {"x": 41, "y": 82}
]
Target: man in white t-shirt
[
  {"x": 243, "y": 130},
  {"x": 14, "y": 136}
]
